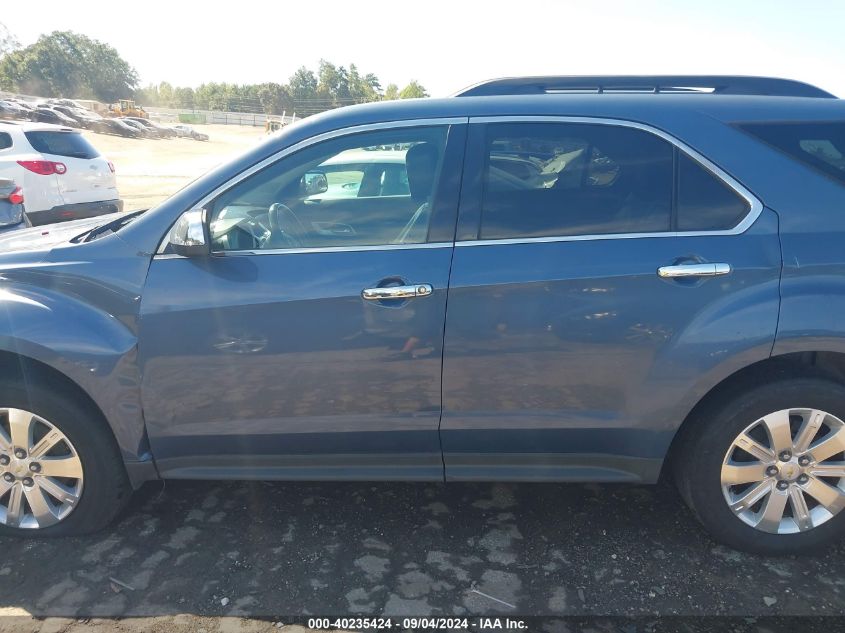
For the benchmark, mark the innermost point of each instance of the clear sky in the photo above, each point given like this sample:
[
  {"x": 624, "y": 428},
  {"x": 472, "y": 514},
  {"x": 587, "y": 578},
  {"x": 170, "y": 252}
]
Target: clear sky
[{"x": 447, "y": 45}]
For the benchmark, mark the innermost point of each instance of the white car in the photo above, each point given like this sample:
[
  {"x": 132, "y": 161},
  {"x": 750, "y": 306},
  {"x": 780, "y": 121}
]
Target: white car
[{"x": 62, "y": 175}]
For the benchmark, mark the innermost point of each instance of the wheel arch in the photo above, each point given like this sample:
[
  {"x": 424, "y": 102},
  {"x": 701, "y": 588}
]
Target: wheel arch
[{"x": 806, "y": 364}]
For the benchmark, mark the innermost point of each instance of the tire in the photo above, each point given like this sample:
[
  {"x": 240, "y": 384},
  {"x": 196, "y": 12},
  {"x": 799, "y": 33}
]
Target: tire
[
  {"x": 703, "y": 449},
  {"x": 104, "y": 487}
]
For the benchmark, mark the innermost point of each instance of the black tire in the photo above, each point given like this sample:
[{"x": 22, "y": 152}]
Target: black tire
[
  {"x": 698, "y": 461},
  {"x": 106, "y": 487}
]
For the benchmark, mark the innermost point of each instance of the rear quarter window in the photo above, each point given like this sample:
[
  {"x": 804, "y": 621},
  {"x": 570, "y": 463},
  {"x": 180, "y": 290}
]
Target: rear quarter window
[
  {"x": 820, "y": 145},
  {"x": 5, "y": 140},
  {"x": 70, "y": 144}
]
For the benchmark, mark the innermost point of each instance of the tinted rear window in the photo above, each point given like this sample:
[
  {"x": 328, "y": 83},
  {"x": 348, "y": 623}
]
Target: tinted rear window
[
  {"x": 555, "y": 179},
  {"x": 71, "y": 144},
  {"x": 819, "y": 145},
  {"x": 705, "y": 202}
]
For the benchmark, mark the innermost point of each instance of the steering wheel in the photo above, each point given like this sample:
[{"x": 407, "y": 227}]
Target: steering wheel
[{"x": 285, "y": 226}]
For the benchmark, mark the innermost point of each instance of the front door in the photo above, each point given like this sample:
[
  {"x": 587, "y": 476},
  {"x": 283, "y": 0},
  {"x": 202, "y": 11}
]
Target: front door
[
  {"x": 309, "y": 343},
  {"x": 601, "y": 276}
]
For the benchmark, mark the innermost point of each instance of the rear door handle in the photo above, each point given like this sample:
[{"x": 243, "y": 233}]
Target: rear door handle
[
  {"x": 397, "y": 292},
  {"x": 693, "y": 270}
]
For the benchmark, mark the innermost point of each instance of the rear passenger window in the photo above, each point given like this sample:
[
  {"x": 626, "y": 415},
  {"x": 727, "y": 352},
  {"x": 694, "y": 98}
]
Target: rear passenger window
[
  {"x": 705, "y": 202},
  {"x": 5, "y": 140},
  {"x": 70, "y": 144},
  {"x": 818, "y": 145},
  {"x": 558, "y": 179}
]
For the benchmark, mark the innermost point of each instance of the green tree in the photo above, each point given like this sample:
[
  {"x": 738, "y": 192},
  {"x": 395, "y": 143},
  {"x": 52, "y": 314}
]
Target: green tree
[
  {"x": 303, "y": 85},
  {"x": 274, "y": 98},
  {"x": 67, "y": 64},
  {"x": 184, "y": 98},
  {"x": 8, "y": 42},
  {"x": 391, "y": 92},
  {"x": 165, "y": 94},
  {"x": 413, "y": 91}
]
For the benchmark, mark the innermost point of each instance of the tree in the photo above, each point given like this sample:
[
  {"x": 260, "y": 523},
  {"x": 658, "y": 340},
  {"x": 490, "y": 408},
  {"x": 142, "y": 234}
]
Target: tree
[
  {"x": 274, "y": 98},
  {"x": 67, "y": 64},
  {"x": 391, "y": 92},
  {"x": 303, "y": 85},
  {"x": 413, "y": 91},
  {"x": 8, "y": 42},
  {"x": 184, "y": 98}
]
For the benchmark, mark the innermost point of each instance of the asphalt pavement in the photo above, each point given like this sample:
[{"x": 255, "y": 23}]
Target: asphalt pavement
[{"x": 275, "y": 549}]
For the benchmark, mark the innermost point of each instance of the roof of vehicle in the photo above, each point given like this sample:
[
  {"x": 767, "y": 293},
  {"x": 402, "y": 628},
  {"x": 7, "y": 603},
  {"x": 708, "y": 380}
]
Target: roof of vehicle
[{"x": 28, "y": 126}]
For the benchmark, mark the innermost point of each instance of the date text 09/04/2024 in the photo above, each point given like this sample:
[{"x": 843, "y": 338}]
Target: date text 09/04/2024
[{"x": 418, "y": 624}]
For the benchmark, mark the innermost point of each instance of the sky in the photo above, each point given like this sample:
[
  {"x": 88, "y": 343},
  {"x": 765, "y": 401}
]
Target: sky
[{"x": 447, "y": 45}]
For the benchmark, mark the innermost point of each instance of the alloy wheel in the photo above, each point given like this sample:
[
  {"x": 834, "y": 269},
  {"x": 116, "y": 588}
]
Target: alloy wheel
[
  {"x": 41, "y": 475},
  {"x": 785, "y": 473}
]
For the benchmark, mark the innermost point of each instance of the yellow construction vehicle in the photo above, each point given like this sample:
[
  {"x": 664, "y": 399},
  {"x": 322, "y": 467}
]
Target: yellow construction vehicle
[{"x": 127, "y": 107}]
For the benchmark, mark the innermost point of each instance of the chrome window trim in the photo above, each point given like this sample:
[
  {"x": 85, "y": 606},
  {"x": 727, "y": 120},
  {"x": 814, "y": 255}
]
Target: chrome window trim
[
  {"x": 325, "y": 136},
  {"x": 319, "y": 249},
  {"x": 755, "y": 205}
]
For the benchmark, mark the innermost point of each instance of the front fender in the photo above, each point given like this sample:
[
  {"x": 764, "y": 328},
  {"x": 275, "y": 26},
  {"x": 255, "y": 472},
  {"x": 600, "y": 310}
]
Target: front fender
[{"x": 78, "y": 316}]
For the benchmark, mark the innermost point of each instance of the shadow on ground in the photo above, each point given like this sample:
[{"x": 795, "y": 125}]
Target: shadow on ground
[{"x": 265, "y": 549}]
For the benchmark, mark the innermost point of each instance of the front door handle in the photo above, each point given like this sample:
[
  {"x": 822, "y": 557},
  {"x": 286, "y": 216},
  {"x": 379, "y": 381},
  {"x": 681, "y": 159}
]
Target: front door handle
[
  {"x": 397, "y": 292},
  {"x": 693, "y": 270}
]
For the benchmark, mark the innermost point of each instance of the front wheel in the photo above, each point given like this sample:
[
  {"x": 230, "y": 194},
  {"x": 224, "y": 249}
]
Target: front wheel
[
  {"x": 765, "y": 471},
  {"x": 60, "y": 470}
]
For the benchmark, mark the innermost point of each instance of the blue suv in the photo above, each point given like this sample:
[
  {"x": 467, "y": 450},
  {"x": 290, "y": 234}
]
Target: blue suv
[{"x": 539, "y": 279}]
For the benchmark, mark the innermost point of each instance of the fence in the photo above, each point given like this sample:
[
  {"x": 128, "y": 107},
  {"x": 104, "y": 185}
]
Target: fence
[
  {"x": 222, "y": 118},
  {"x": 171, "y": 115}
]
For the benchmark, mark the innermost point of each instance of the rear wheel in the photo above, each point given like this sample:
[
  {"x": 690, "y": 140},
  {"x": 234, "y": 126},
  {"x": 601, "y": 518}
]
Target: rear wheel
[
  {"x": 60, "y": 471},
  {"x": 765, "y": 471}
]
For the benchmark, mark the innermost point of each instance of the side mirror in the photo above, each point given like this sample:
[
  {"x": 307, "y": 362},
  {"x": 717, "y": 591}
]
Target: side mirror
[
  {"x": 188, "y": 236},
  {"x": 313, "y": 182}
]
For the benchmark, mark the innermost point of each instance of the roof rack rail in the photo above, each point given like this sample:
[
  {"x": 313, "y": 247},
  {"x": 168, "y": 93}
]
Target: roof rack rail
[{"x": 689, "y": 84}]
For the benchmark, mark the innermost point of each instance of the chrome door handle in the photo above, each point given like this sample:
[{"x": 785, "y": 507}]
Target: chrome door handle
[
  {"x": 693, "y": 270},
  {"x": 397, "y": 292}
]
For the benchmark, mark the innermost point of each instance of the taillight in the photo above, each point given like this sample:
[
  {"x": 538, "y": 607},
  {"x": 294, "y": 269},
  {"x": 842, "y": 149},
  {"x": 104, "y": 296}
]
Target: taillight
[
  {"x": 16, "y": 197},
  {"x": 111, "y": 166},
  {"x": 43, "y": 167}
]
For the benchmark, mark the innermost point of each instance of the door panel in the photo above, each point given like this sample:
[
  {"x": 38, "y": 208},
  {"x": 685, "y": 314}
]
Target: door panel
[
  {"x": 274, "y": 363},
  {"x": 271, "y": 363},
  {"x": 571, "y": 358},
  {"x": 579, "y": 348}
]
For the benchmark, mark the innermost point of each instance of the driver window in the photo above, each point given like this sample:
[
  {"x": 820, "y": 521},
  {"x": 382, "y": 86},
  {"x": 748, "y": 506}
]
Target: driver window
[{"x": 369, "y": 189}]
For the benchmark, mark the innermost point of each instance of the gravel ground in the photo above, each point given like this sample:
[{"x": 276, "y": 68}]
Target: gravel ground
[
  {"x": 279, "y": 549},
  {"x": 150, "y": 170}
]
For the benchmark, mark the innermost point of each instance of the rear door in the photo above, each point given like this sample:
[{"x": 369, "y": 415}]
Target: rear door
[{"x": 601, "y": 273}]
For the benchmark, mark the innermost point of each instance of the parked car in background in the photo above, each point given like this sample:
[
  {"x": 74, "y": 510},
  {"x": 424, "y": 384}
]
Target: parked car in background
[
  {"x": 186, "y": 131},
  {"x": 46, "y": 114},
  {"x": 648, "y": 284},
  {"x": 26, "y": 106},
  {"x": 63, "y": 175},
  {"x": 162, "y": 130},
  {"x": 363, "y": 173},
  {"x": 84, "y": 118},
  {"x": 11, "y": 110},
  {"x": 117, "y": 127},
  {"x": 67, "y": 103},
  {"x": 11, "y": 204},
  {"x": 143, "y": 130}
]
